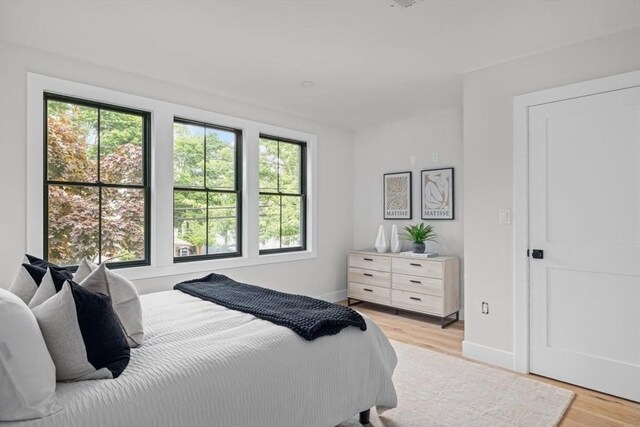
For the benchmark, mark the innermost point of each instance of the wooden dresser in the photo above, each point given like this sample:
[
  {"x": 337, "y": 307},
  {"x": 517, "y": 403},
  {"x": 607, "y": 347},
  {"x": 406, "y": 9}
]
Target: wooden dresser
[{"x": 408, "y": 282}]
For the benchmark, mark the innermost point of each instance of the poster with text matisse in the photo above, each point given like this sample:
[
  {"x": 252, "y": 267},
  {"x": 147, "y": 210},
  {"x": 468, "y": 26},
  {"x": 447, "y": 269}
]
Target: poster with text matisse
[
  {"x": 397, "y": 195},
  {"x": 437, "y": 194}
]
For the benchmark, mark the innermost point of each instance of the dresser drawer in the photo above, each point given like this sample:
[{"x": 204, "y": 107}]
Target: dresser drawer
[
  {"x": 418, "y": 267},
  {"x": 418, "y": 284},
  {"x": 370, "y": 277},
  {"x": 417, "y": 302},
  {"x": 369, "y": 293},
  {"x": 370, "y": 262}
]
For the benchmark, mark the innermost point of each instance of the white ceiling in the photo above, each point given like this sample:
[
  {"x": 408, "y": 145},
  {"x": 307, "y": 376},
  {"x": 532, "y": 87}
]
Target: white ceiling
[{"x": 370, "y": 62}]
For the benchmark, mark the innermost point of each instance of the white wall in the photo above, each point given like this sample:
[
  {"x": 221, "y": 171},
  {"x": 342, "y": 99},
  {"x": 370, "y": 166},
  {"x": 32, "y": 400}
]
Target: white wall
[
  {"x": 324, "y": 276},
  {"x": 488, "y": 182},
  {"x": 388, "y": 148}
]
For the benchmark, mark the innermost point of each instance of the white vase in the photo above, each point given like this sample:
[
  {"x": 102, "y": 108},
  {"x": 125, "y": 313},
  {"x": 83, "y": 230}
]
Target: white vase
[
  {"x": 396, "y": 244},
  {"x": 381, "y": 241}
]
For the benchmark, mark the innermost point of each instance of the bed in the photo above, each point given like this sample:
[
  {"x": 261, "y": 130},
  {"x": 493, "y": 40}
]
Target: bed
[{"x": 205, "y": 365}]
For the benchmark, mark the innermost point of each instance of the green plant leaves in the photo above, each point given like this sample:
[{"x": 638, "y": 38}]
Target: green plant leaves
[{"x": 420, "y": 233}]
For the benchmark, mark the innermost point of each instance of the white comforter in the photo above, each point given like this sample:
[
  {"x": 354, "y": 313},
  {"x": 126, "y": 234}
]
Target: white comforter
[{"x": 204, "y": 365}]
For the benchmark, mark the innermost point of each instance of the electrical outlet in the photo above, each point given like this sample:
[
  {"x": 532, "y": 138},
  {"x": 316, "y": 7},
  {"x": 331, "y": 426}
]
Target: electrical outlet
[
  {"x": 485, "y": 307},
  {"x": 435, "y": 156}
]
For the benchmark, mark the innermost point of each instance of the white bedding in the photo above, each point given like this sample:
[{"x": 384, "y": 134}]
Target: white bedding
[{"x": 204, "y": 365}]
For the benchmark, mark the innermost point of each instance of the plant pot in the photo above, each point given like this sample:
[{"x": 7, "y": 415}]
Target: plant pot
[{"x": 418, "y": 248}]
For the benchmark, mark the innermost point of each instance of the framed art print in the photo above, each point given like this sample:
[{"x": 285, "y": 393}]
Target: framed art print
[
  {"x": 397, "y": 195},
  {"x": 437, "y": 194}
]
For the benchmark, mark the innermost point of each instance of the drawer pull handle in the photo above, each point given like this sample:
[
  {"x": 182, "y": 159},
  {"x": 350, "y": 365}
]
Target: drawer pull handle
[
  {"x": 368, "y": 259},
  {"x": 416, "y": 281},
  {"x": 415, "y": 298},
  {"x": 415, "y": 264},
  {"x": 368, "y": 274},
  {"x": 368, "y": 290}
]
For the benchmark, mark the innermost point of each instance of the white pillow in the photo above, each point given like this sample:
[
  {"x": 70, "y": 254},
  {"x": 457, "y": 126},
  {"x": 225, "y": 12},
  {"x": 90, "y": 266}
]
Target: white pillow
[
  {"x": 85, "y": 268},
  {"x": 27, "y": 373},
  {"x": 29, "y": 275},
  {"x": 51, "y": 284},
  {"x": 26, "y": 281},
  {"x": 124, "y": 298},
  {"x": 82, "y": 334}
]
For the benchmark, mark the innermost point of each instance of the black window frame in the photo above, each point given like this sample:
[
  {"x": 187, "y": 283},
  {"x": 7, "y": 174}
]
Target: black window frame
[
  {"x": 302, "y": 195},
  {"x": 237, "y": 191},
  {"x": 146, "y": 176}
]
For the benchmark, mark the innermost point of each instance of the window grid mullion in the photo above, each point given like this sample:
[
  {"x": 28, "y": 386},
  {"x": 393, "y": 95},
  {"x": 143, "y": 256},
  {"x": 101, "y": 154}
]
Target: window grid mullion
[
  {"x": 271, "y": 193},
  {"x": 99, "y": 191},
  {"x": 217, "y": 190},
  {"x": 278, "y": 170},
  {"x": 278, "y": 186},
  {"x": 45, "y": 167},
  {"x": 95, "y": 184},
  {"x": 204, "y": 145},
  {"x": 280, "y": 221},
  {"x": 206, "y": 227}
]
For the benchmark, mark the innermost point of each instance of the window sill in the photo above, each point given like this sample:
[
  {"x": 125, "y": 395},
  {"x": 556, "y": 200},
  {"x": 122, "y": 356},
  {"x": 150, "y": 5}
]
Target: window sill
[{"x": 212, "y": 265}]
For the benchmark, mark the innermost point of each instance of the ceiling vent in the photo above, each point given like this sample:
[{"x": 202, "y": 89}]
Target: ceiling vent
[{"x": 403, "y": 3}]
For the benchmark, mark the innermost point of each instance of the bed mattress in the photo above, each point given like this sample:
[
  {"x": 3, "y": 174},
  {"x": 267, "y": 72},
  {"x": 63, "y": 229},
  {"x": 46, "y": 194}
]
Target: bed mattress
[{"x": 204, "y": 365}]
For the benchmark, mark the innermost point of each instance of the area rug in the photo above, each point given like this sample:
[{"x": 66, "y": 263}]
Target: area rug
[{"x": 435, "y": 389}]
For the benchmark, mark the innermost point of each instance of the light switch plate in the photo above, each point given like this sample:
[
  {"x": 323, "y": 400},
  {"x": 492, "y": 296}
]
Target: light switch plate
[
  {"x": 435, "y": 156},
  {"x": 505, "y": 216},
  {"x": 485, "y": 307}
]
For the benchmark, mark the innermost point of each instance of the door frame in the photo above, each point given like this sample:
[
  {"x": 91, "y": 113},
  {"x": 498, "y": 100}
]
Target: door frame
[{"x": 521, "y": 105}]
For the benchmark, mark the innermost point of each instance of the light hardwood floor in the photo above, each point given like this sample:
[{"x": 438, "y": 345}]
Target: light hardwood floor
[{"x": 589, "y": 408}]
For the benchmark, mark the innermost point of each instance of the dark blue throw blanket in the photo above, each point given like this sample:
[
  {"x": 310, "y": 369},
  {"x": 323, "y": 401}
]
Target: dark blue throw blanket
[{"x": 308, "y": 317}]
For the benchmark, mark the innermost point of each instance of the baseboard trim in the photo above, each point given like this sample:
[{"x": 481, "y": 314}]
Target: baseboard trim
[
  {"x": 333, "y": 296},
  {"x": 490, "y": 355}
]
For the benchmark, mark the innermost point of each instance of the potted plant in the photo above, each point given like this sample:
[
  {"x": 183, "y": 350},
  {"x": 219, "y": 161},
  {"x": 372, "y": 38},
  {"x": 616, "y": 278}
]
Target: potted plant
[{"x": 417, "y": 234}]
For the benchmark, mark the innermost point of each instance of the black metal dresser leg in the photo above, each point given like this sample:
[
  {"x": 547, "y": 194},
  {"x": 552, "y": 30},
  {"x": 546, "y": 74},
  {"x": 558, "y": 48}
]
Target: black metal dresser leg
[
  {"x": 364, "y": 416},
  {"x": 444, "y": 323},
  {"x": 349, "y": 303}
]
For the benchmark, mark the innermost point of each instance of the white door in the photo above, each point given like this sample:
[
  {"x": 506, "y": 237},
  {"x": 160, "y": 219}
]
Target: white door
[{"x": 584, "y": 202}]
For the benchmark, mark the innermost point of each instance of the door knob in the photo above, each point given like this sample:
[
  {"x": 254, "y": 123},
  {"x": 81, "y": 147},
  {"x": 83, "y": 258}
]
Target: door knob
[{"x": 537, "y": 254}]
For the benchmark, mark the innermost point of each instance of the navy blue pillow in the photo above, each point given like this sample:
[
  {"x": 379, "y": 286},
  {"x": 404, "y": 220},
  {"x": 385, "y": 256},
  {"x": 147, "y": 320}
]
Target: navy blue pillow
[
  {"x": 58, "y": 274},
  {"x": 36, "y": 273},
  {"x": 83, "y": 334},
  {"x": 106, "y": 344},
  {"x": 39, "y": 262}
]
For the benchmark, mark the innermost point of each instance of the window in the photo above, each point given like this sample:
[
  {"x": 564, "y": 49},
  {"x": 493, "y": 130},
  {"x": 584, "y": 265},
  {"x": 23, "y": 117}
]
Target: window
[
  {"x": 282, "y": 195},
  {"x": 96, "y": 183},
  {"x": 207, "y": 191},
  {"x": 90, "y": 185}
]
